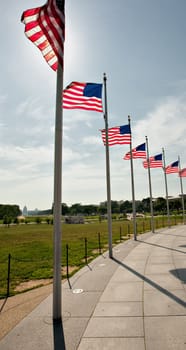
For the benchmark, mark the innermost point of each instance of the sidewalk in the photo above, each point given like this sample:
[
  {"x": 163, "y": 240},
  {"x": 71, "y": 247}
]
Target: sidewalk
[{"x": 135, "y": 301}]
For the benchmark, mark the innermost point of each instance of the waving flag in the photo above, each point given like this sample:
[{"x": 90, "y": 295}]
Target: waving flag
[
  {"x": 138, "y": 152},
  {"x": 45, "y": 27},
  {"x": 182, "y": 172},
  {"x": 154, "y": 162},
  {"x": 172, "y": 168},
  {"x": 86, "y": 96},
  {"x": 117, "y": 135}
]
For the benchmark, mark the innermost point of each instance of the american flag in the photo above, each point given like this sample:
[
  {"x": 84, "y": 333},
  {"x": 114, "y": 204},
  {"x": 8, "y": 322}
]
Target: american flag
[
  {"x": 172, "y": 168},
  {"x": 154, "y": 162},
  {"x": 138, "y": 152},
  {"x": 182, "y": 172},
  {"x": 45, "y": 27},
  {"x": 117, "y": 135},
  {"x": 86, "y": 96}
]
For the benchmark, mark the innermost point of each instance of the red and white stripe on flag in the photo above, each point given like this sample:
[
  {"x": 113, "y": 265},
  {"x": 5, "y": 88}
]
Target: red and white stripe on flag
[
  {"x": 45, "y": 27},
  {"x": 182, "y": 172}
]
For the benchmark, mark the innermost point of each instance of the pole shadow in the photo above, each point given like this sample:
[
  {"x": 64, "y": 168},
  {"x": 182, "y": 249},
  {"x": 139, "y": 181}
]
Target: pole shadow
[
  {"x": 3, "y": 304},
  {"x": 58, "y": 334},
  {"x": 152, "y": 283},
  {"x": 171, "y": 234},
  {"x": 161, "y": 246},
  {"x": 90, "y": 268},
  {"x": 69, "y": 283}
]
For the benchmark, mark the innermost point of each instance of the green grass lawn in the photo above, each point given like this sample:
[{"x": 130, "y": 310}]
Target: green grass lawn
[{"x": 31, "y": 247}]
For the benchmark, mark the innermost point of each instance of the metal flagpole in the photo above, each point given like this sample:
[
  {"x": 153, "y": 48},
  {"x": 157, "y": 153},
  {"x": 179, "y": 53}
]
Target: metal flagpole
[
  {"x": 182, "y": 196},
  {"x": 150, "y": 187},
  {"x": 109, "y": 215},
  {"x": 166, "y": 189},
  {"x": 132, "y": 185},
  {"x": 57, "y": 198}
]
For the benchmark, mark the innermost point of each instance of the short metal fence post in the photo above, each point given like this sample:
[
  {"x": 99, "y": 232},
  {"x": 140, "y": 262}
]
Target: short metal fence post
[
  {"x": 128, "y": 229},
  {"x": 120, "y": 235},
  {"x": 86, "y": 251},
  {"x": 99, "y": 243},
  {"x": 67, "y": 261},
  {"x": 8, "y": 277}
]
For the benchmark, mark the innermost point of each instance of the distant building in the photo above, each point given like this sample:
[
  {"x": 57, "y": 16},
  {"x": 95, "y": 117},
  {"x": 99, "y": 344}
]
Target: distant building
[{"x": 25, "y": 211}]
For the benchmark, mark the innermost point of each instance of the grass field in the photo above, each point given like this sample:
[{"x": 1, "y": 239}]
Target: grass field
[{"x": 31, "y": 247}]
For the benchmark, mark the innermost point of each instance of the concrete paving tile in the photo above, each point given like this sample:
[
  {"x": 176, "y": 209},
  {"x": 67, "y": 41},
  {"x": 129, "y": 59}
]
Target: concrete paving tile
[
  {"x": 161, "y": 251},
  {"x": 80, "y": 304},
  {"x": 115, "y": 327},
  {"x": 178, "y": 257},
  {"x": 94, "y": 275},
  {"x": 139, "y": 254},
  {"x": 137, "y": 263},
  {"x": 165, "y": 333},
  {"x": 112, "y": 343},
  {"x": 116, "y": 291},
  {"x": 73, "y": 330},
  {"x": 166, "y": 281},
  {"x": 95, "y": 280},
  {"x": 180, "y": 263},
  {"x": 104, "y": 309},
  {"x": 123, "y": 275},
  {"x": 131, "y": 267},
  {"x": 159, "y": 303},
  {"x": 159, "y": 268},
  {"x": 160, "y": 259}
]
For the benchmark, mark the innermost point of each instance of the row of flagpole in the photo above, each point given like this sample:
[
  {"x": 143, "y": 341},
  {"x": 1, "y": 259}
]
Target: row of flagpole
[
  {"x": 52, "y": 48},
  {"x": 150, "y": 188}
]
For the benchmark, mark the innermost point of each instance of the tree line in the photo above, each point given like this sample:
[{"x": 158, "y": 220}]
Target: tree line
[
  {"x": 9, "y": 211},
  {"x": 123, "y": 207}
]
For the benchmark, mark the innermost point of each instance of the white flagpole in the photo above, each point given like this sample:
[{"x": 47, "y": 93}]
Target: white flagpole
[
  {"x": 57, "y": 198},
  {"x": 150, "y": 188},
  {"x": 109, "y": 214},
  {"x": 182, "y": 196},
  {"x": 132, "y": 186},
  {"x": 166, "y": 189}
]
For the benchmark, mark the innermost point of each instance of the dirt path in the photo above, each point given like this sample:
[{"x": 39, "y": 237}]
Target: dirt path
[{"x": 14, "y": 309}]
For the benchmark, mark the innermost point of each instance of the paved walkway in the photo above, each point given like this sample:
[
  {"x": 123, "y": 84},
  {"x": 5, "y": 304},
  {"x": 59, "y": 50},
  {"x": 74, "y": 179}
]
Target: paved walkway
[{"x": 135, "y": 301}]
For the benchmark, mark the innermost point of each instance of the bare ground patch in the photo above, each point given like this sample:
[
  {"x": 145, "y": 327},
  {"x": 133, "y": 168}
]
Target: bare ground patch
[
  {"x": 23, "y": 286},
  {"x": 32, "y": 284}
]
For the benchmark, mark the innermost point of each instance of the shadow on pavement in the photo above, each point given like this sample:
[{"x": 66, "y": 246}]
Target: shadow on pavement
[
  {"x": 152, "y": 283},
  {"x": 2, "y": 306},
  {"x": 59, "y": 340},
  {"x": 179, "y": 273},
  {"x": 171, "y": 234},
  {"x": 161, "y": 246}
]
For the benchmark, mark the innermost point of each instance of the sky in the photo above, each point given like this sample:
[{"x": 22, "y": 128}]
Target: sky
[{"x": 140, "y": 45}]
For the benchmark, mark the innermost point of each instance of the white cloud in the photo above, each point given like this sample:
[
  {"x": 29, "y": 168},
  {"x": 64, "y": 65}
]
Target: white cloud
[
  {"x": 3, "y": 98},
  {"x": 73, "y": 118},
  {"x": 91, "y": 140},
  {"x": 18, "y": 164},
  {"x": 165, "y": 126}
]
